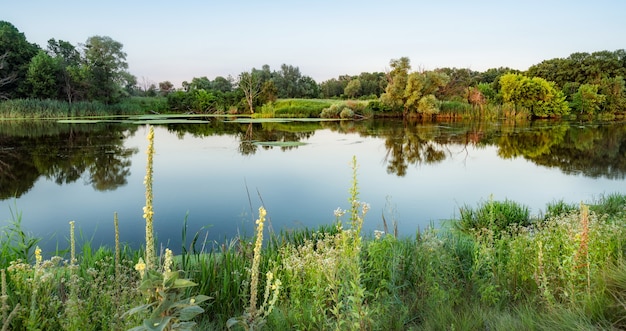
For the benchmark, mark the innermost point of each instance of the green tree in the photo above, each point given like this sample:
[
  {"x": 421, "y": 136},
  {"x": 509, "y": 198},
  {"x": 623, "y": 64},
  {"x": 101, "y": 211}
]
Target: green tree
[
  {"x": 287, "y": 81},
  {"x": 200, "y": 83},
  {"x": 17, "y": 53},
  {"x": 537, "y": 95},
  {"x": 587, "y": 100},
  {"x": 222, "y": 84},
  {"x": 107, "y": 63},
  {"x": 73, "y": 74},
  {"x": 394, "y": 96},
  {"x": 353, "y": 89},
  {"x": 5, "y": 78},
  {"x": 333, "y": 88},
  {"x": 614, "y": 90},
  {"x": 41, "y": 77},
  {"x": 166, "y": 87}
]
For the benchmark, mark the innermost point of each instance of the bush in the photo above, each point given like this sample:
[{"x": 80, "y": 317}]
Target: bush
[
  {"x": 494, "y": 215},
  {"x": 346, "y": 113}
]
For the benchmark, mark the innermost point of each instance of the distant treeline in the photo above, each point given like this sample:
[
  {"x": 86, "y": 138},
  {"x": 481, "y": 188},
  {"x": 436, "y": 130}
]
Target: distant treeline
[{"x": 96, "y": 71}]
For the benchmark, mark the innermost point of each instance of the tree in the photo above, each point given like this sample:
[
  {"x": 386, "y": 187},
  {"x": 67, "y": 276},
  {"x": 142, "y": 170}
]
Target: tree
[
  {"x": 250, "y": 84},
  {"x": 71, "y": 69},
  {"x": 397, "y": 79},
  {"x": 107, "y": 63},
  {"x": 222, "y": 84},
  {"x": 539, "y": 96},
  {"x": 41, "y": 77},
  {"x": 16, "y": 52},
  {"x": 614, "y": 90},
  {"x": 587, "y": 100},
  {"x": 5, "y": 78},
  {"x": 353, "y": 89},
  {"x": 165, "y": 87},
  {"x": 286, "y": 81}
]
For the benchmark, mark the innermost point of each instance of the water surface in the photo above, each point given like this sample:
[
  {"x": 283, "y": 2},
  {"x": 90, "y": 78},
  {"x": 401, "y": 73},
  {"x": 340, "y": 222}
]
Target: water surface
[{"x": 217, "y": 174}]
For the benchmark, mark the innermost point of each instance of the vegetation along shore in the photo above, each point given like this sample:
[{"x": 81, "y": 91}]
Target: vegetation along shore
[{"x": 66, "y": 80}]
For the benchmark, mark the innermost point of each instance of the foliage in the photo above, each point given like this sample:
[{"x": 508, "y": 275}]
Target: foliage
[
  {"x": 296, "y": 108},
  {"x": 166, "y": 305},
  {"x": 17, "y": 53},
  {"x": 536, "y": 94},
  {"x": 587, "y": 100},
  {"x": 253, "y": 318},
  {"x": 107, "y": 62},
  {"x": 413, "y": 92},
  {"x": 494, "y": 216}
]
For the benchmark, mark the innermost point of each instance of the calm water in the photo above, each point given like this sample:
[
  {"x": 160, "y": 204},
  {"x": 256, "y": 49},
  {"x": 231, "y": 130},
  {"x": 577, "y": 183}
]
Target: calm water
[{"x": 217, "y": 174}]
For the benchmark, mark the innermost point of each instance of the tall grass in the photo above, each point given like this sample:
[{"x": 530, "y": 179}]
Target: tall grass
[{"x": 36, "y": 108}]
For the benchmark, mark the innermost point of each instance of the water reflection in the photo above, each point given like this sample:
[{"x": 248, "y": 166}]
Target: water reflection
[
  {"x": 66, "y": 153},
  {"x": 63, "y": 153}
]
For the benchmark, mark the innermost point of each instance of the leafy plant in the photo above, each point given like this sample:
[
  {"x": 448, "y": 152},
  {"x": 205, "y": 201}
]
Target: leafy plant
[{"x": 494, "y": 215}]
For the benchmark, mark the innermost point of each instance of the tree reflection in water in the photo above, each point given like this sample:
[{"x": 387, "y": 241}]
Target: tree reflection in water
[
  {"x": 68, "y": 152},
  {"x": 63, "y": 153}
]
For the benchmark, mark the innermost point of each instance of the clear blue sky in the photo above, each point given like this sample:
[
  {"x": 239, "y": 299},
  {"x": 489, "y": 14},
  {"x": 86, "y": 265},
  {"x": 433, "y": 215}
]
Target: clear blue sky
[{"x": 179, "y": 40}]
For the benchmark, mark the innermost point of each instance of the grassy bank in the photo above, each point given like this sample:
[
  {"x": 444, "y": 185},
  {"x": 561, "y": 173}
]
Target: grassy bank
[
  {"x": 40, "y": 109},
  {"x": 496, "y": 267}
]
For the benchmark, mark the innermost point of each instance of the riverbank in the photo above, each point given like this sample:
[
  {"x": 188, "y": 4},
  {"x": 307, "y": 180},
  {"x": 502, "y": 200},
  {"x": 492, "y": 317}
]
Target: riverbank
[{"x": 561, "y": 272}]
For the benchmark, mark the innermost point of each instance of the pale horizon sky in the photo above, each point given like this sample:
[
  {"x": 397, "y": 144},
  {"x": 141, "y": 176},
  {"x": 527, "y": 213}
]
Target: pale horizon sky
[{"x": 178, "y": 41}]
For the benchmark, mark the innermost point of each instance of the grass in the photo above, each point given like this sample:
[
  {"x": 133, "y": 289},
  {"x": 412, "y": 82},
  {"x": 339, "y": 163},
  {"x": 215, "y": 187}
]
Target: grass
[
  {"x": 42, "y": 109},
  {"x": 541, "y": 278},
  {"x": 499, "y": 269}
]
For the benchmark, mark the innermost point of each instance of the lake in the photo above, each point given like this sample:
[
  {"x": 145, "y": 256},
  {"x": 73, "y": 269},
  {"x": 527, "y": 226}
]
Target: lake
[{"x": 216, "y": 172}]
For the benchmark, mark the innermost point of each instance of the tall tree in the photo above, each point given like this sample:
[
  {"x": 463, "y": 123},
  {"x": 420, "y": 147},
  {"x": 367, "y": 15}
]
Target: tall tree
[
  {"x": 353, "y": 89},
  {"x": 397, "y": 79},
  {"x": 587, "y": 100},
  {"x": 42, "y": 75},
  {"x": 71, "y": 70},
  {"x": 17, "y": 53},
  {"x": 6, "y": 78},
  {"x": 250, "y": 84},
  {"x": 540, "y": 97},
  {"x": 107, "y": 62}
]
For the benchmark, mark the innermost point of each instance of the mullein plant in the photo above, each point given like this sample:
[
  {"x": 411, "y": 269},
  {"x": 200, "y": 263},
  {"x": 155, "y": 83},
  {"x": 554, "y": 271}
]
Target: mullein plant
[
  {"x": 148, "y": 212},
  {"x": 165, "y": 305},
  {"x": 255, "y": 318},
  {"x": 164, "y": 289}
]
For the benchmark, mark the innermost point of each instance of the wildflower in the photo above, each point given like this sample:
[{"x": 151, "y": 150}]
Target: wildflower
[
  {"x": 141, "y": 267},
  {"x": 256, "y": 260},
  {"x": 167, "y": 265},
  {"x": 378, "y": 234},
  {"x": 72, "y": 244},
  {"x": 339, "y": 212},
  {"x": 366, "y": 207},
  {"x": 38, "y": 258}
]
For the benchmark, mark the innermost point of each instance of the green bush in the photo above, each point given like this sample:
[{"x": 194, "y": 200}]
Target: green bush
[
  {"x": 493, "y": 215},
  {"x": 346, "y": 113}
]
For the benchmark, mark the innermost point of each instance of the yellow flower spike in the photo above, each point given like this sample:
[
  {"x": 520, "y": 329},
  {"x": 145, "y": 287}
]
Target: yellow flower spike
[
  {"x": 169, "y": 258},
  {"x": 147, "y": 210},
  {"x": 72, "y": 244},
  {"x": 140, "y": 267},
  {"x": 38, "y": 257}
]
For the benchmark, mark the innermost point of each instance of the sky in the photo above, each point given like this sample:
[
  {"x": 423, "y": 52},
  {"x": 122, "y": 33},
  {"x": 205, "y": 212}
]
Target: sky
[{"x": 179, "y": 40}]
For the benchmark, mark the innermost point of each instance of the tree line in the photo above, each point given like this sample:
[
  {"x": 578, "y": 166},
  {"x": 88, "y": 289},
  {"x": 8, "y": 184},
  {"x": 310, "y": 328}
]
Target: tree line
[{"x": 583, "y": 83}]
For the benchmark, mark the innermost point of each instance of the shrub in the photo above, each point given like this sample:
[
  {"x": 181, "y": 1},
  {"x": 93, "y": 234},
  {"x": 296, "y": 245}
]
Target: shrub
[
  {"x": 493, "y": 215},
  {"x": 331, "y": 112},
  {"x": 346, "y": 113}
]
